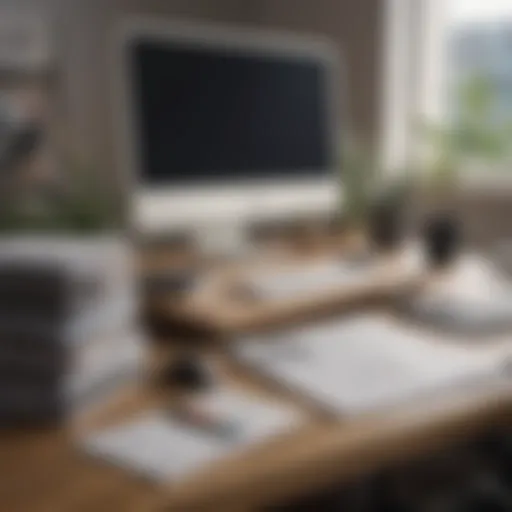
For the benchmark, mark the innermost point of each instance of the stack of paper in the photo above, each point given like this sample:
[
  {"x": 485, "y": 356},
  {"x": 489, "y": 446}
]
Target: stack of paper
[
  {"x": 363, "y": 363},
  {"x": 475, "y": 299},
  {"x": 67, "y": 325}
]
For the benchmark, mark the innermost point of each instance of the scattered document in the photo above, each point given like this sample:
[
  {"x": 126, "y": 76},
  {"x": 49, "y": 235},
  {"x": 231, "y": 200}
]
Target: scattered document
[
  {"x": 156, "y": 446},
  {"x": 363, "y": 363}
]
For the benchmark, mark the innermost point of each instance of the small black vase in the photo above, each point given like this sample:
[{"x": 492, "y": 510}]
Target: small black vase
[
  {"x": 386, "y": 226},
  {"x": 443, "y": 239}
]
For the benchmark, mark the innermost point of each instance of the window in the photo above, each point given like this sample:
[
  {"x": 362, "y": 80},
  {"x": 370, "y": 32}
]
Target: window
[
  {"x": 479, "y": 43},
  {"x": 431, "y": 47}
]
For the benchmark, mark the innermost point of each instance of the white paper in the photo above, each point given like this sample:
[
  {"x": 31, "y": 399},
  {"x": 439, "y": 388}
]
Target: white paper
[
  {"x": 155, "y": 446},
  {"x": 363, "y": 363},
  {"x": 474, "y": 299}
]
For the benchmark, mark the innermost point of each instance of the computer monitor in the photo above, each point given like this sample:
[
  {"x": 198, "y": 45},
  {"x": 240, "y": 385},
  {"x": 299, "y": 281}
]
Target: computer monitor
[{"x": 224, "y": 125}]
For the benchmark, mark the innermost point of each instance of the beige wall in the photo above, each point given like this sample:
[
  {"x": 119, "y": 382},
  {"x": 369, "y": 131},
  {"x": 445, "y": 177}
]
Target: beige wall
[{"x": 85, "y": 30}]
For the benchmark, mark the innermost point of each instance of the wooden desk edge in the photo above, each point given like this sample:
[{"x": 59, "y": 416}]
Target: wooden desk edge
[
  {"x": 329, "y": 455},
  {"x": 227, "y": 321}
]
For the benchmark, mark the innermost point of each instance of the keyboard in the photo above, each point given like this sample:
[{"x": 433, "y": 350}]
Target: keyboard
[{"x": 287, "y": 282}]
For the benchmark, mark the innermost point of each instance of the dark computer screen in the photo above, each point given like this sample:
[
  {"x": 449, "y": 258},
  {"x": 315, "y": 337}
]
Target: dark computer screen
[{"x": 207, "y": 115}]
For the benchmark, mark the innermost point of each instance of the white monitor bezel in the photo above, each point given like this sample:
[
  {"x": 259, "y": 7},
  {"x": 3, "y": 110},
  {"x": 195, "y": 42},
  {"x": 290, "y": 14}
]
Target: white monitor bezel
[{"x": 160, "y": 208}]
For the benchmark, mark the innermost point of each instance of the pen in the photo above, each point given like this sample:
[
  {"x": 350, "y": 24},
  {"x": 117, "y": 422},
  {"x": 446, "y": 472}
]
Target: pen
[{"x": 205, "y": 421}]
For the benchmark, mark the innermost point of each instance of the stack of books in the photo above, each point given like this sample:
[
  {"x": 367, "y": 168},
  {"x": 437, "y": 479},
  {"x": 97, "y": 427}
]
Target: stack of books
[{"x": 69, "y": 333}]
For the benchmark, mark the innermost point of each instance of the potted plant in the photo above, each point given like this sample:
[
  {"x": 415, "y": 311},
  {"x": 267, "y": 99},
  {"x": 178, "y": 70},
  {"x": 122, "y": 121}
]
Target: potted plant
[
  {"x": 72, "y": 203},
  {"x": 357, "y": 174},
  {"x": 388, "y": 213},
  {"x": 71, "y": 211},
  {"x": 373, "y": 209}
]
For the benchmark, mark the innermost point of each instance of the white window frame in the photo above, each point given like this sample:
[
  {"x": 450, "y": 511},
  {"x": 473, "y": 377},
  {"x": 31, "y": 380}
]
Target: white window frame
[{"x": 412, "y": 71}]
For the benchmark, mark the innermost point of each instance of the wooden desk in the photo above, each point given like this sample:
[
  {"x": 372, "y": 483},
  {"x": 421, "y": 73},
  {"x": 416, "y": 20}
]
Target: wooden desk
[
  {"x": 41, "y": 471},
  {"x": 326, "y": 454}
]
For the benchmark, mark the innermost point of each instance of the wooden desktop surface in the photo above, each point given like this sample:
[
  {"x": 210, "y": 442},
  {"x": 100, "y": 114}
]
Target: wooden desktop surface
[
  {"x": 42, "y": 471},
  {"x": 223, "y": 305}
]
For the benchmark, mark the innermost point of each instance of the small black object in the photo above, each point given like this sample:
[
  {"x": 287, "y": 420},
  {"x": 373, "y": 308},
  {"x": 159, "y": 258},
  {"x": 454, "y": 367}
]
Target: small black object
[
  {"x": 20, "y": 145},
  {"x": 188, "y": 372},
  {"x": 386, "y": 228},
  {"x": 383, "y": 495},
  {"x": 496, "y": 451},
  {"x": 442, "y": 239},
  {"x": 488, "y": 496}
]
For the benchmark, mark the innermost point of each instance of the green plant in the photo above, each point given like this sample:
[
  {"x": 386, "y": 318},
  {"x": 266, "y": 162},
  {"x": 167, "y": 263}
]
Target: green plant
[
  {"x": 85, "y": 203},
  {"x": 396, "y": 192},
  {"x": 76, "y": 202},
  {"x": 358, "y": 172},
  {"x": 474, "y": 134}
]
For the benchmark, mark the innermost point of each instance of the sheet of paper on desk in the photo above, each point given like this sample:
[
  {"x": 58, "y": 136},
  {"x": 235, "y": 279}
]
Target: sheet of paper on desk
[
  {"x": 474, "y": 299},
  {"x": 154, "y": 446},
  {"x": 364, "y": 363}
]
